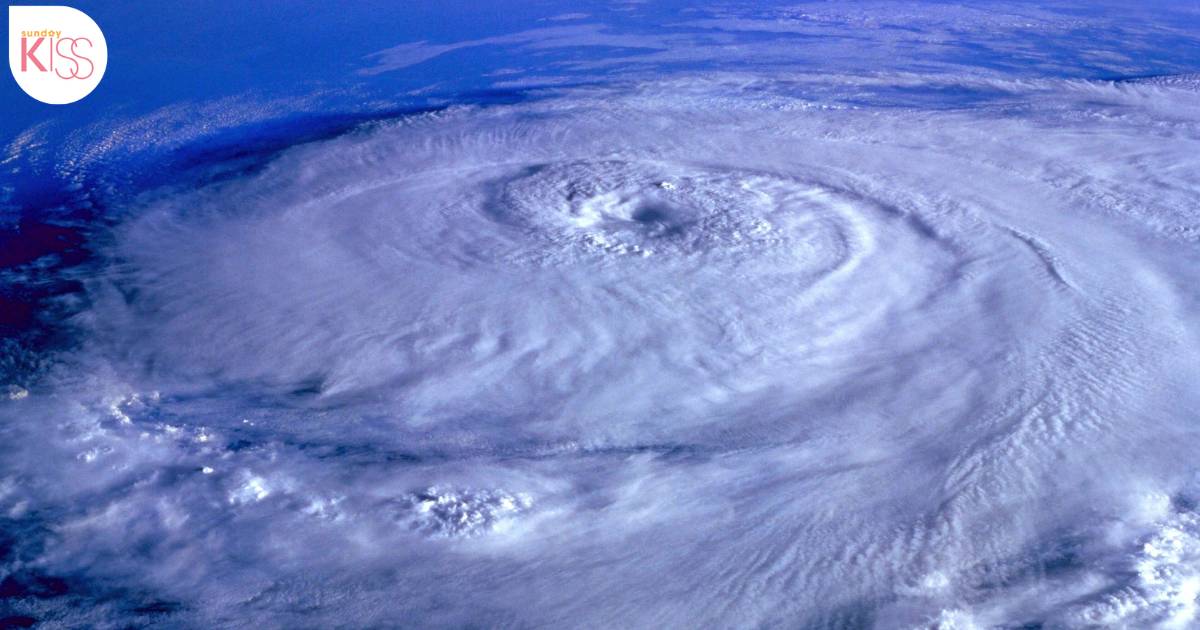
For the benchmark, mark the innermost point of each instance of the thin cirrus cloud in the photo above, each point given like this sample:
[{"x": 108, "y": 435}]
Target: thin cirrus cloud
[{"x": 410, "y": 54}]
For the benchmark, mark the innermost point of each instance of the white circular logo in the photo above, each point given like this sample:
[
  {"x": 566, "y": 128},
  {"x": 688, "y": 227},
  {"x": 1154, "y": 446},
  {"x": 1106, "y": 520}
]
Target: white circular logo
[{"x": 57, "y": 54}]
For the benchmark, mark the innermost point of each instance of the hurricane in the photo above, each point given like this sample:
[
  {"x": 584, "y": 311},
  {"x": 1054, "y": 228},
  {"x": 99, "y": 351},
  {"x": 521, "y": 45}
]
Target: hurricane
[{"x": 747, "y": 341}]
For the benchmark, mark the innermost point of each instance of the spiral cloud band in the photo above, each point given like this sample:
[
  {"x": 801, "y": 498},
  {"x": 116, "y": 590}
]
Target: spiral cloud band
[{"x": 705, "y": 351}]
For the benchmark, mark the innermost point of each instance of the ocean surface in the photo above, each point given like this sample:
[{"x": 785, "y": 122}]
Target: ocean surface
[{"x": 633, "y": 314}]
